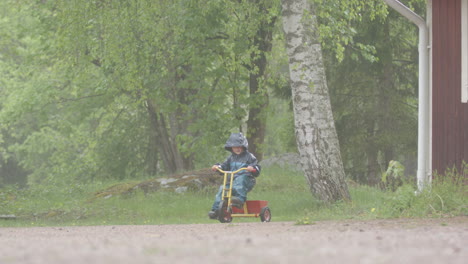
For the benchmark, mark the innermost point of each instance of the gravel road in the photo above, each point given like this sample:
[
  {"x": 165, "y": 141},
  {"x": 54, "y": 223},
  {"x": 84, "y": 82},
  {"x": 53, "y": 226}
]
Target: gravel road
[{"x": 377, "y": 241}]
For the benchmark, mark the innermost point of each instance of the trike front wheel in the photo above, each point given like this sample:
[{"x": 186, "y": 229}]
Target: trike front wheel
[{"x": 224, "y": 212}]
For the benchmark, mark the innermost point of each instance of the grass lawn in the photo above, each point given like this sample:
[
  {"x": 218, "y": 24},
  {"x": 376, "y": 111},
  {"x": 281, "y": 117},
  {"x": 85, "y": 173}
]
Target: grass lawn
[{"x": 287, "y": 193}]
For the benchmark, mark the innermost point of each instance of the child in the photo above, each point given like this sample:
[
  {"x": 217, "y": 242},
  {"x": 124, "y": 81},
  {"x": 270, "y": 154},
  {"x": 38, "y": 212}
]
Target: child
[{"x": 244, "y": 181}]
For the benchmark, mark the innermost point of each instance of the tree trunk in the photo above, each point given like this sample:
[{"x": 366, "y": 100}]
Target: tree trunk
[
  {"x": 372, "y": 171},
  {"x": 316, "y": 136},
  {"x": 152, "y": 159},
  {"x": 256, "y": 124},
  {"x": 165, "y": 145}
]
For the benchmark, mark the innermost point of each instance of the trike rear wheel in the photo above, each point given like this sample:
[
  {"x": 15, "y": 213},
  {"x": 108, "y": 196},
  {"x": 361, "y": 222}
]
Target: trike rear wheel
[{"x": 265, "y": 214}]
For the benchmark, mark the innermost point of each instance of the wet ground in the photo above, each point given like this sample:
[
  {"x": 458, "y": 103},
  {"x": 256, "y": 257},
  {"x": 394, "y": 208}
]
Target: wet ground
[{"x": 377, "y": 241}]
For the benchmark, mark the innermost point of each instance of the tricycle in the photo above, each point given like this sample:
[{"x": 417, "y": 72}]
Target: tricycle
[{"x": 252, "y": 208}]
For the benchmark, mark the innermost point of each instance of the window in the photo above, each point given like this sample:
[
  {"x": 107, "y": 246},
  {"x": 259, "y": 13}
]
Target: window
[{"x": 464, "y": 51}]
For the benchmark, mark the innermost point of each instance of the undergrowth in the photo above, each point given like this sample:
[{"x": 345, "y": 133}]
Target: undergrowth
[{"x": 287, "y": 192}]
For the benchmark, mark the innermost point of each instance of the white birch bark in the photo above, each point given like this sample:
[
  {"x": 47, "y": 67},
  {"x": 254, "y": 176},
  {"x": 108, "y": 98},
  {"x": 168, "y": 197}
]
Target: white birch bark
[{"x": 316, "y": 135}]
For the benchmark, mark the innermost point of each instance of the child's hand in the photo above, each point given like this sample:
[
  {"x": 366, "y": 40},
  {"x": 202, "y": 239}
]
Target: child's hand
[
  {"x": 215, "y": 167},
  {"x": 251, "y": 169}
]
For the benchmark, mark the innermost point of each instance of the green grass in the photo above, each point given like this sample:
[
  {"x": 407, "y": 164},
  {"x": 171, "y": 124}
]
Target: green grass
[{"x": 287, "y": 192}]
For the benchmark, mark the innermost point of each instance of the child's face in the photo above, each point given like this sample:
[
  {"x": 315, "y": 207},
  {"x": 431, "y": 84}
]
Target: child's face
[{"x": 237, "y": 150}]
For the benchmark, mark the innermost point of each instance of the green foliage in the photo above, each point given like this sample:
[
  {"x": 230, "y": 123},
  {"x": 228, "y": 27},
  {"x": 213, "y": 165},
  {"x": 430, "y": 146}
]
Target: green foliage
[
  {"x": 338, "y": 20},
  {"x": 77, "y": 108},
  {"x": 395, "y": 169},
  {"x": 304, "y": 221},
  {"x": 280, "y": 137},
  {"x": 445, "y": 197},
  {"x": 393, "y": 177},
  {"x": 375, "y": 100},
  {"x": 76, "y": 78},
  {"x": 443, "y": 200}
]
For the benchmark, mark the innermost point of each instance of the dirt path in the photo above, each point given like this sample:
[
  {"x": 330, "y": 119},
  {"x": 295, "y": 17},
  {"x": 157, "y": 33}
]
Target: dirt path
[{"x": 378, "y": 241}]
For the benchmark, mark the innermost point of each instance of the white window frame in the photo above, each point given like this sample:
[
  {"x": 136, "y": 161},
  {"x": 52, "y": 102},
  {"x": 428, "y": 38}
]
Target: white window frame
[{"x": 464, "y": 51}]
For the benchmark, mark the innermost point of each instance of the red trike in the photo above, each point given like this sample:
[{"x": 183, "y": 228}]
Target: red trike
[{"x": 254, "y": 208}]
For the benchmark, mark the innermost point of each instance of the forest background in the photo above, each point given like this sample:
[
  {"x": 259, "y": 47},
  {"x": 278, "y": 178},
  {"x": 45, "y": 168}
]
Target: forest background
[{"x": 95, "y": 90}]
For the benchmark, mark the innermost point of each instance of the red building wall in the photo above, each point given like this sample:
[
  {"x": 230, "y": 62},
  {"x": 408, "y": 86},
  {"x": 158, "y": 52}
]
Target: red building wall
[{"x": 449, "y": 115}]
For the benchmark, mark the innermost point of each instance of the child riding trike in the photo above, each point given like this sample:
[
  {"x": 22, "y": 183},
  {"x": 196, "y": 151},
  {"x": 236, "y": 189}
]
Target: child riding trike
[{"x": 227, "y": 210}]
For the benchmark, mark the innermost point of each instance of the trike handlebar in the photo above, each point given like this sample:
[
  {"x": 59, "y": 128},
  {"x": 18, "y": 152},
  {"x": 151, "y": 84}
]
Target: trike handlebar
[{"x": 233, "y": 172}]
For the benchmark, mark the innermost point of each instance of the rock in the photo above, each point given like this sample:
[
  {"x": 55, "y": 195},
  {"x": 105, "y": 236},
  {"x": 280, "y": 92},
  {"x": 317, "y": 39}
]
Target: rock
[
  {"x": 166, "y": 181},
  {"x": 193, "y": 180},
  {"x": 8, "y": 217},
  {"x": 181, "y": 189}
]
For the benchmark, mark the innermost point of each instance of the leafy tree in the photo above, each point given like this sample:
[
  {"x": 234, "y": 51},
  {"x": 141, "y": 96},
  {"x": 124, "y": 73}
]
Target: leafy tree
[
  {"x": 114, "y": 89},
  {"x": 374, "y": 95},
  {"x": 20, "y": 46},
  {"x": 159, "y": 60},
  {"x": 131, "y": 88},
  {"x": 371, "y": 73}
]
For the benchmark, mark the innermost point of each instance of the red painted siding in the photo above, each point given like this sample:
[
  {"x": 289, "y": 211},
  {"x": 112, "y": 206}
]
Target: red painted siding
[{"x": 449, "y": 115}]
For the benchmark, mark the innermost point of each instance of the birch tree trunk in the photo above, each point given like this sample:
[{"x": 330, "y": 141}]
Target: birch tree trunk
[{"x": 316, "y": 136}]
